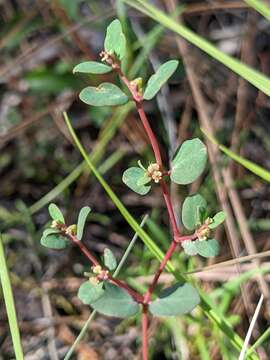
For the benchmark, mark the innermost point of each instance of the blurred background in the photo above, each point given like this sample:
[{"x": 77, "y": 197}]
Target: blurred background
[{"x": 41, "y": 41}]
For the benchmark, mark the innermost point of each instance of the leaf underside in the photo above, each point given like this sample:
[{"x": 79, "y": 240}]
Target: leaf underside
[
  {"x": 175, "y": 300},
  {"x": 115, "y": 302}
]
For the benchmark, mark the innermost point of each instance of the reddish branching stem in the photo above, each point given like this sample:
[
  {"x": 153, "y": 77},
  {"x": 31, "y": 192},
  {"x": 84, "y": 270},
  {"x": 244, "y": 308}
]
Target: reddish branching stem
[
  {"x": 136, "y": 296},
  {"x": 145, "y": 332}
]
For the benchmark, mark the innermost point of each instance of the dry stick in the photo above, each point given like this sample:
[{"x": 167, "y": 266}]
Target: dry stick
[
  {"x": 206, "y": 123},
  {"x": 240, "y": 116},
  {"x": 243, "y": 226},
  {"x": 247, "y": 56}
]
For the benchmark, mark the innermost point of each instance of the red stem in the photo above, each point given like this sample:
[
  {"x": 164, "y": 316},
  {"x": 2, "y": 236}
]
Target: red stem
[
  {"x": 149, "y": 133},
  {"x": 166, "y": 195},
  {"x": 145, "y": 332},
  {"x": 166, "y": 258},
  {"x": 83, "y": 249},
  {"x": 154, "y": 143},
  {"x": 137, "y": 297}
]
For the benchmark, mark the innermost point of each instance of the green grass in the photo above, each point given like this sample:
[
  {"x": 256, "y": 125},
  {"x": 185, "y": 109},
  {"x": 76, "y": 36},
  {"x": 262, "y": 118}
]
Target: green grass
[
  {"x": 256, "y": 78},
  {"x": 254, "y": 168},
  {"x": 260, "y": 6},
  {"x": 10, "y": 305}
]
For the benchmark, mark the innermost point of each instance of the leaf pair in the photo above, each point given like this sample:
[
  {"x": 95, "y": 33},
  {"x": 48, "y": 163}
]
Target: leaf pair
[
  {"x": 194, "y": 213},
  {"x": 107, "y": 94},
  {"x": 52, "y": 237},
  {"x": 187, "y": 165},
  {"x": 111, "y": 300}
]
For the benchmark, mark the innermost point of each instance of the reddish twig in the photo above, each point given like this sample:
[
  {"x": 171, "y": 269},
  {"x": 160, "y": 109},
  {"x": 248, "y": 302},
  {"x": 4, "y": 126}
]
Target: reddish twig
[
  {"x": 166, "y": 258},
  {"x": 136, "y": 296},
  {"x": 145, "y": 332}
]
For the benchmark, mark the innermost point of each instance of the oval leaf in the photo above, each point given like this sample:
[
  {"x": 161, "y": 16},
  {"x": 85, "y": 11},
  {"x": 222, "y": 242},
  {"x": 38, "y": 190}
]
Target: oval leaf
[
  {"x": 133, "y": 177},
  {"x": 54, "y": 241},
  {"x": 207, "y": 248},
  {"x": 175, "y": 300},
  {"x": 115, "y": 41},
  {"x": 89, "y": 292},
  {"x": 56, "y": 213},
  {"x": 191, "y": 211},
  {"x": 217, "y": 220},
  {"x": 109, "y": 259},
  {"x": 156, "y": 81},
  {"x": 84, "y": 212},
  {"x": 92, "y": 67},
  {"x": 189, "y": 247},
  {"x": 106, "y": 94},
  {"x": 115, "y": 302},
  {"x": 189, "y": 162}
]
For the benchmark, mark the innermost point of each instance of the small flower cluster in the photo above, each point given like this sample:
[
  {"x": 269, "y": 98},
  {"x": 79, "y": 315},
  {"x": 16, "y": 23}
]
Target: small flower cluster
[
  {"x": 203, "y": 232},
  {"x": 100, "y": 275},
  {"x": 153, "y": 171}
]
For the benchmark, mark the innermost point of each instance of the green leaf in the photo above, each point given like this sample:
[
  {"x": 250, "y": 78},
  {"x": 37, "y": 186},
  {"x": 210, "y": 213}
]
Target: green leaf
[
  {"x": 191, "y": 211},
  {"x": 115, "y": 40},
  {"x": 175, "y": 300},
  {"x": 144, "y": 180},
  {"x": 157, "y": 80},
  {"x": 106, "y": 94},
  {"x": 207, "y": 248},
  {"x": 133, "y": 177},
  {"x": 109, "y": 259},
  {"x": 56, "y": 213},
  {"x": 189, "y": 247},
  {"x": 84, "y": 212},
  {"x": 189, "y": 162},
  {"x": 54, "y": 241},
  {"x": 217, "y": 220},
  {"x": 89, "y": 292},
  {"x": 92, "y": 67},
  {"x": 115, "y": 302}
]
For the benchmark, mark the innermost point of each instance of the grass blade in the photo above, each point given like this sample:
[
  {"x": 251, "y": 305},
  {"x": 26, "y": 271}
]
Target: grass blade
[
  {"x": 10, "y": 305},
  {"x": 256, "y": 78},
  {"x": 260, "y": 6},
  {"x": 256, "y": 169},
  {"x": 261, "y": 340}
]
